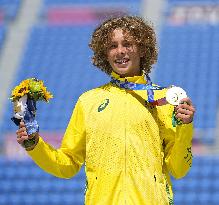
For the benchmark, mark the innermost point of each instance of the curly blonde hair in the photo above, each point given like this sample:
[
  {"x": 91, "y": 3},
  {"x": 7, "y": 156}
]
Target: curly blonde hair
[{"x": 141, "y": 31}]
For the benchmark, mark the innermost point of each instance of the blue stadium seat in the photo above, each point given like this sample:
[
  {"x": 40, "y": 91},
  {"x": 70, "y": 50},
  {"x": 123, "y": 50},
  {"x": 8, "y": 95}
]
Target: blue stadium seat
[
  {"x": 10, "y": 8},
  {"x": 200, "y": 186},
  {"x": 57, "y": 2},
  {"x": 187, "y": 59},
  {"x": 25, "y": 187},
  {"x": 3, "y": 31},
  {"x": 191, "y": 1}
]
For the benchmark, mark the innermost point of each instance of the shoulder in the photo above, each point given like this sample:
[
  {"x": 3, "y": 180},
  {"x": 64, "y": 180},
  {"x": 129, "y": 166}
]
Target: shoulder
[
  {"x": 95, "y": 93},
  {"x": 91, "y": 100},
  {"x": 94, "y": 97}
]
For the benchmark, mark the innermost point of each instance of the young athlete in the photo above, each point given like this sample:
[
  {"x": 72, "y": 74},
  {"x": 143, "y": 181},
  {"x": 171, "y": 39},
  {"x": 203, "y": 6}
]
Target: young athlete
[{"x": 123, "y": 131}]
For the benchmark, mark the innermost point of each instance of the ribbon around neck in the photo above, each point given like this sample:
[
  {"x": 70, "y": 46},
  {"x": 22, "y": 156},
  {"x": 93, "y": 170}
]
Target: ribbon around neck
[
  {"x": 149, "y": 87},
  {"x": 150, "y": 93}
]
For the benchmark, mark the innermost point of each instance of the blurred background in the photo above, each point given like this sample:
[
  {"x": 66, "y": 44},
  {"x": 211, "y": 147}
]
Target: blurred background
[{"x": 48, "y": 39}]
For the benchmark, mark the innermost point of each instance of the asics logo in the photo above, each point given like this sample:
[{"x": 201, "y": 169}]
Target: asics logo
[{"x": 103, "y": 105}]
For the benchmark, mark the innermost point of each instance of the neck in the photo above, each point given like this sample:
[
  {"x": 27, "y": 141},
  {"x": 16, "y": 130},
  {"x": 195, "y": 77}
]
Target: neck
[{"x": 129, "y": 74}]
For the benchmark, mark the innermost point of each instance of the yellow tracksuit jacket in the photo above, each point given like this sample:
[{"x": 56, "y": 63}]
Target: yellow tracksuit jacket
[{"x": 129, "y": 148}]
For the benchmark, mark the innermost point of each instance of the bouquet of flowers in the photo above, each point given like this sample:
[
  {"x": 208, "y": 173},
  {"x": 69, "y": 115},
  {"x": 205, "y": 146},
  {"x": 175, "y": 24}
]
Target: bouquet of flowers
[{"x": 24, "y": 97}]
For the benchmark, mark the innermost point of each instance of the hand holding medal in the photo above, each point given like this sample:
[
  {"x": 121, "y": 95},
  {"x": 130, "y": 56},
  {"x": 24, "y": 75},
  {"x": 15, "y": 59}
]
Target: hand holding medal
[
  {"x": 24, "y": 97},
  {"x": 184, "y": 110}
]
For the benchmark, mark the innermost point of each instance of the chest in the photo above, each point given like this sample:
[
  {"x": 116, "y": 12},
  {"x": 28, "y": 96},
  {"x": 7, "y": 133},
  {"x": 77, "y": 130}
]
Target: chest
[{"x": 124, "y": 112}]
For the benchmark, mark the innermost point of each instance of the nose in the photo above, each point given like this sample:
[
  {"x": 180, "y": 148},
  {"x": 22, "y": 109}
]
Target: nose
[{"x": 121, "y": 49}]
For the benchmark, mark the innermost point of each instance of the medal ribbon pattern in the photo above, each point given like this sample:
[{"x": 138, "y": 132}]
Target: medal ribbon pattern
[{"x": 136, "y": 86}]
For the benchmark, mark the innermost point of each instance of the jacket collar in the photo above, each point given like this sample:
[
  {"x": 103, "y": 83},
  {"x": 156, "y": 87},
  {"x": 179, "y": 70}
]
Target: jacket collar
[{"x": 135, "y": 79}]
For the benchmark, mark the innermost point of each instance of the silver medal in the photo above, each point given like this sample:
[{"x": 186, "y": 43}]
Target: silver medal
[{"x": 174, "y": 95}]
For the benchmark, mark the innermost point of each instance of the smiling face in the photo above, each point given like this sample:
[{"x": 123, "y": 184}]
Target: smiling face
[{"x": 123, "y": 54}]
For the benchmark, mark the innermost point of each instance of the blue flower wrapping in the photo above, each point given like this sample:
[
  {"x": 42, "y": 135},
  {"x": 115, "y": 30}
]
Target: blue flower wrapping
[{"x": 29, "y": 117}]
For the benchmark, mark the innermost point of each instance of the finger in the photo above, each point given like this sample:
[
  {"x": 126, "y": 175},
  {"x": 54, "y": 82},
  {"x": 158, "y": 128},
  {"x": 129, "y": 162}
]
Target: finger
[
  {"x": 186, "y": 100},
  {"x": 23, "y": 129},
  {"x": 185, "y": 106},
  {"x": 182, "y": 106},
  {"x": 185, "y": 118},
  {"x": 184, "y": 111},
  {"x": 182, "y": 116},
  {"x": 21, "y": 134},
  {"x": 18, "y": 132},
  {"x": 22, "y": 139},
  {"x": 24, "y": 133},
  {"x": 22, "y": 124}
]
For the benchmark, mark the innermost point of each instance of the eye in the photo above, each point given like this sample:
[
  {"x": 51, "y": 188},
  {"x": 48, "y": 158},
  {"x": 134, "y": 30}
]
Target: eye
[
  {"x": 127, "y": 44},
  {"x": 112, "y": 46}
]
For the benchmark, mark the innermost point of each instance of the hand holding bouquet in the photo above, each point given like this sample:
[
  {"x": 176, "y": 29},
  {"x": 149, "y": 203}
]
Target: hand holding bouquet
[{"x": 24, "y": 97}]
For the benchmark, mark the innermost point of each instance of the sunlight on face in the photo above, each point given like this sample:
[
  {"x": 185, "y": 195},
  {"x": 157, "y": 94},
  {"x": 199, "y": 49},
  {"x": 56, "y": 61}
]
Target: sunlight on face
[{"x": 123, "y": 54}]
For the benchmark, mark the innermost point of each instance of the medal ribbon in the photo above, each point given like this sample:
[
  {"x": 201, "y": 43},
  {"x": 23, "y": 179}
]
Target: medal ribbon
[
  {"x": 148, "y": 87},
  {"x": 150, "y": 92}
]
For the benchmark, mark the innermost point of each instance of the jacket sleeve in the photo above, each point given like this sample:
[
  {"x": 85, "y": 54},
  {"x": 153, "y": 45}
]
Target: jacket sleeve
[
  {"x": 66, "y": 161},
  {"x": 177, "y": 142}
]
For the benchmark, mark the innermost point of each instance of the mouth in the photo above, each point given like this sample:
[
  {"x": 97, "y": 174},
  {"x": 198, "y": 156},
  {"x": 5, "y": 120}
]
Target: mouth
[{"x": 122, "y": 61}]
